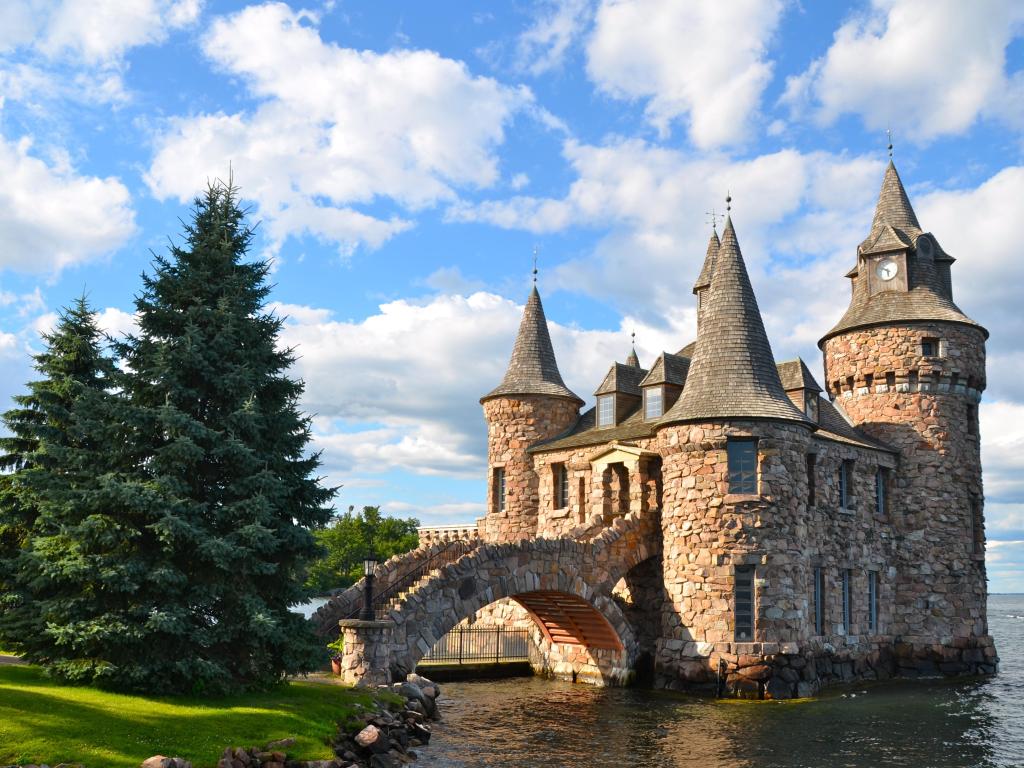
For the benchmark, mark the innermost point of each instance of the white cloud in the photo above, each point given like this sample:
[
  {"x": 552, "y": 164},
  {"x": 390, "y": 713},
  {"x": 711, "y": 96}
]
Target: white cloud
[
  {"x": 557, "y": 25},
  {"x": 436, "y": 514},
  {"x": 337, "y": 128},
  {"x": 928, "y": 68},
  {"x": 51, "y": 217},
  {"x": 705, "y": 62}
]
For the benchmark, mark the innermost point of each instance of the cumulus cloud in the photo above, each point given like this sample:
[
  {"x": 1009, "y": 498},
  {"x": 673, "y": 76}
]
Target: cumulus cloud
[
  {"x": 700, "y": 62},
  {"x": 52, "y": 217},
  {"x": 337, "y": 128},
  {"x": 400, "y": 389},
  {"x": 556, "y": 26},
  {"x": 929, "y": 68}
]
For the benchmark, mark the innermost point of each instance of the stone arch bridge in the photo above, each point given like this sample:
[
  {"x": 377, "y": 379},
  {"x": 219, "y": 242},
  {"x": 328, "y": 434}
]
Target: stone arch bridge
[{"x": 564, "y": 584}]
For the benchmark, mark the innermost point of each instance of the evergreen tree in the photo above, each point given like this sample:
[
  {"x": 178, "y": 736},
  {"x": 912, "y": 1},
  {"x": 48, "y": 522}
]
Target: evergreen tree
[
  {"x": 43, "y": 437},
  {"x": 222, "y": 440}
]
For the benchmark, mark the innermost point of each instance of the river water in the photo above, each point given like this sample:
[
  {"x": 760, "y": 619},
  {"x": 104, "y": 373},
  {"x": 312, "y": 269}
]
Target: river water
[{"x": 532, "y": 723}]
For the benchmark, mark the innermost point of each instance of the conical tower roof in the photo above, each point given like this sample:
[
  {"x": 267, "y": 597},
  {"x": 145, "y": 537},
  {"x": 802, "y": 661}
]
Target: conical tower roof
[
  {"x": 893, "y": 208},
  {"x": 927, "y": 297},
  {"x": 733, "y": 372},
  {"x": 633, "y": 361},
  {"x": 704, "y": 279},
  {"x": 533, "y": 369}
]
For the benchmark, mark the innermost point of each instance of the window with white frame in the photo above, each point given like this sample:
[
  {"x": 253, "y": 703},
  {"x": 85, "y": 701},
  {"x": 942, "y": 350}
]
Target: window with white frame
[
  {"x": 653, "y": 402},
  {"x": 605, "y": 410},
  {"x": 499, "y": 489},
  {"x": 811, "y": 406},
  {"x": 742, "y": 457},
  {"x": 743, "y": 603},
  {"x": 561, "y": 478}
]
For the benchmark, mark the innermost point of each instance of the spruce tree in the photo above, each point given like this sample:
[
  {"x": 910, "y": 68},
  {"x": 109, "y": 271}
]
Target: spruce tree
[
  {"x": 38, "y": 457},
  {"x": 222, "y": 441}
]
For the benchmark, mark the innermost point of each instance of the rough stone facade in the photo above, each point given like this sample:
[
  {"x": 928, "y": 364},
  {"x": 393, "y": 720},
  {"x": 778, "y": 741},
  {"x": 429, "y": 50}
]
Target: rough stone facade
[{"x": 750, "y": 536}]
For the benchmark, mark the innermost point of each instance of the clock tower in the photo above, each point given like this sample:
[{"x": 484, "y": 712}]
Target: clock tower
[{"x": 907, "y": 366}]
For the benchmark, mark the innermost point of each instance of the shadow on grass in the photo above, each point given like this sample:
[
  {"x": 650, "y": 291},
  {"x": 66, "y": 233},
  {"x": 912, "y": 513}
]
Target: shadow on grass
[{"x": 48, "y": 722}]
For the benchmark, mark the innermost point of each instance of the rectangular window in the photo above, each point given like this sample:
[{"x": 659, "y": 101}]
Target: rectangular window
[
  {"x": 890, "y": 380},
  {"x": 929, "y": 347},
  {"x": 845, "y": 488},
  {"x": 847, "y": 606},
  {"x": 561, "y": 478},
  {"x": 499, "y": 489},
  {"x": 972, "y": 419},
  {"x": 811, "y": 406},
  {"x": 742, "y": 455},
  {"x": 882, "y": 491},
  {"x": 812, "y": 470},
  {"x": 605, "y": 410},
  {"x": 872, "y": 602},
  {"x": 652, "y": 402},
  {"x": 743, "y": 597},
  {"x": 819, "y": 601}
]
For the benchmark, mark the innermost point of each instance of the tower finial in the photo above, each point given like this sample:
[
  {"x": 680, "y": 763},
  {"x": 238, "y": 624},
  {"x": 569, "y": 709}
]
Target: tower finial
[
  {"x": 632, "y": 338},
  {"x": 728, "y": 201},
  {"x": 536, "y": 251},
  {"x": 888, "y": 133},
  {"x": 714, "y": 217}
]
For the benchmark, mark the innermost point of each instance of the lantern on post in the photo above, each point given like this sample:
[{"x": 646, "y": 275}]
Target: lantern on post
[{"x": 369, "y": 565}]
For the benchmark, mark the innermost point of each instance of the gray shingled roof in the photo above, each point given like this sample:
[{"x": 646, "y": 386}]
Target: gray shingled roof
[
  {"x": 622, "y": 378},
  {"x": 733, "y": 373},
  {"x": 704, "y": 279},
  {"x": 533, "y": 369},
  {"x": 833, "y": 426},
  {"x": 796, "y": 375},
  {"x": 895, "y": 228},
  {"x": 668, "y": 369}
]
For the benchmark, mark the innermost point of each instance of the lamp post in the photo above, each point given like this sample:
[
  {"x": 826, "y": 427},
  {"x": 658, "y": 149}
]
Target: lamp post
[{"x": 369, "y": 564}]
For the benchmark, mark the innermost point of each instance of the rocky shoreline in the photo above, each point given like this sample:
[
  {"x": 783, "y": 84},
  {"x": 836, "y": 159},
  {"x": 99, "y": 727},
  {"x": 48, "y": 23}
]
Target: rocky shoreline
[{"x": 385, "y": 736}]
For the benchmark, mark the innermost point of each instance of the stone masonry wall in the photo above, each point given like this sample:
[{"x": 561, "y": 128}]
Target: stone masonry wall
[
  {"x": 926, "y": 406},
  {"x": 513, "y": 425}
]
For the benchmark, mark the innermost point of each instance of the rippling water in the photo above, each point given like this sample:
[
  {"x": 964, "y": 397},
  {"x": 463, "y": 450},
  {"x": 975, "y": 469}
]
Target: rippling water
[{"x": 924, "y": 724}]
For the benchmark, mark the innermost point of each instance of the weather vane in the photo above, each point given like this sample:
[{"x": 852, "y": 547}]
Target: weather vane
[
  {"x": 714, "y": 217},
  {"x": 888, "y": 133},
  {"x": 536, "y": 251},
  {"x": 728, "y": 201}
]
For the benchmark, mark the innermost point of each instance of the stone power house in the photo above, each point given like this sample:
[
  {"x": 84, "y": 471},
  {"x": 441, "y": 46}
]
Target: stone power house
[{"x": 718, "y": 518}]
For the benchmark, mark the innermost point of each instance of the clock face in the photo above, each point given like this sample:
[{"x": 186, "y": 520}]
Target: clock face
[{"x": 887, "y": 269}]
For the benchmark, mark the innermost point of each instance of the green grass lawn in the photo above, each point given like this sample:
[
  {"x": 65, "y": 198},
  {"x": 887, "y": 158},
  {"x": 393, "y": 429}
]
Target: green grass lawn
[{"x": 43, "y": 721}]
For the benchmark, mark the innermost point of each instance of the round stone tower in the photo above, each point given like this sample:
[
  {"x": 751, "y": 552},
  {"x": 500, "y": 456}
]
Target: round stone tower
[
  {"x": 530, "y": 405},
  {"x": 734, "y": 452},
  {"x": 908, "y": 367}
]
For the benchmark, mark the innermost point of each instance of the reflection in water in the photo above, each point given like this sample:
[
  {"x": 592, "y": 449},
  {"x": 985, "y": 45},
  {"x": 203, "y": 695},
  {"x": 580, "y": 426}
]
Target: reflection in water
[{"x": 515, "y": 723}]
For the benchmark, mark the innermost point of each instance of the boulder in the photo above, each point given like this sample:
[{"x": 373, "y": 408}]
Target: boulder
[
  {"x": 373, "y": 739},
  {"x": 160, "y": 761}
]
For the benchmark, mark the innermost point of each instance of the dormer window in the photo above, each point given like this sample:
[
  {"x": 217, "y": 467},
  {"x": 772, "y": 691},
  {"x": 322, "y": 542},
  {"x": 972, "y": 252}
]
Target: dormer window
[
  {"x": 654, "y": 404},
  {"x": 605, "y": 410},
  {"x": 811, "y": 406}
]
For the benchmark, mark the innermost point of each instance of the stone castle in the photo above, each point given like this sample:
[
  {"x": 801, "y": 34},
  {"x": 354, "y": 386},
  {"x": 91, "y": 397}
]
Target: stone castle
[{"x": 718, "y": 518}]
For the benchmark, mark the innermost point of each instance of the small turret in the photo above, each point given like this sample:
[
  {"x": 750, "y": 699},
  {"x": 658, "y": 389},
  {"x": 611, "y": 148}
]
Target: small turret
[{"x": 531, "y": 404}]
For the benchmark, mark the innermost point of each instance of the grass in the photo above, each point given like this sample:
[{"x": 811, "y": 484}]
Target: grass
[{"x": 42, "y": 721}]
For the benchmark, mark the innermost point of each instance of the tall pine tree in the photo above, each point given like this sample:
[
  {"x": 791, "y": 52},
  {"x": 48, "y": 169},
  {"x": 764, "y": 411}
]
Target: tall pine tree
[
  {"x": 38, "y": 457},
  {"x": 223, "y": 442}
]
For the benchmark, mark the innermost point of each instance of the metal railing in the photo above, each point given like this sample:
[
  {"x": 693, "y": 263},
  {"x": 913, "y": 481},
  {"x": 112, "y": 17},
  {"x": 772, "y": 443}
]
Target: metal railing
[
  {"x": 478, "y": 645},
  {"x": 446, "y": 555}
]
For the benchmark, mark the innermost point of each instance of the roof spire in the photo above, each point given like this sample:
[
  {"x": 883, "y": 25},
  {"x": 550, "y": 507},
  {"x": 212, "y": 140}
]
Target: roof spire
[
  {"x": 704, "y": 278},
  {"x": 893, "y": 207},
  {"x": 533, "y": 369},
  {"x": 733, "y": 372},
  {"x": 633, "y": 360}
]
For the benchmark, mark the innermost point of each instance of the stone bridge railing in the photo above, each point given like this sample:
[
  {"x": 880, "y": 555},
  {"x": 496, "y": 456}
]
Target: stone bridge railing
[{"x": 347, "y": 603}]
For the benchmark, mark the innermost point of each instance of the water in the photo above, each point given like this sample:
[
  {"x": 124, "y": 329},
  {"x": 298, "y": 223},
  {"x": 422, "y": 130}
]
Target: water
[{"x": 919, "y": 724}]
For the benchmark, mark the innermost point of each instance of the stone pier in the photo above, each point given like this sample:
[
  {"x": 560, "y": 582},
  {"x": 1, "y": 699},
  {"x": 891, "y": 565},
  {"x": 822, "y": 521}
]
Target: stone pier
[{"x": 366, "y": 660}]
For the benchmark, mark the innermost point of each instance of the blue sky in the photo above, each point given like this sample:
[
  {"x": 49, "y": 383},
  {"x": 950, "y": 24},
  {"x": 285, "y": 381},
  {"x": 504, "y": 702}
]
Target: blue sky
[{"x": 404, "y": 160}]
